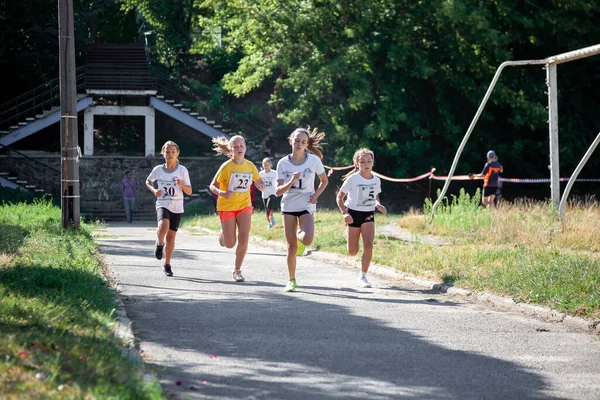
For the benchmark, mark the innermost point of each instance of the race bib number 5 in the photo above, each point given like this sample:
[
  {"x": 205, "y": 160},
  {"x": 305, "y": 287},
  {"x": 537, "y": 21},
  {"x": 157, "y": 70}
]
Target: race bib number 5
[
  {"x": 366, "y": 195},
  {"x": 240, "y": 182}
]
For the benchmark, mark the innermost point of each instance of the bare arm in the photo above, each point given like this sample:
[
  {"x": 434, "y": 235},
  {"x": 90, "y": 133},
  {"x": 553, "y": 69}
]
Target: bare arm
[
  {"x": 150, "y": 186},
  {"x": 186, "y": 189},
  {"x": 282, "y": 188},
  {"x": 324, "y": 181},
  {"x": 214, "y": 187}
]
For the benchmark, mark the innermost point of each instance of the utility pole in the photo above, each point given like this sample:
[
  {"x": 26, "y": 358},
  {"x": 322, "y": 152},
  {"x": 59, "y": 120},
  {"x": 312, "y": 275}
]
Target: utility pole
[{"x": 69, "y": 146}]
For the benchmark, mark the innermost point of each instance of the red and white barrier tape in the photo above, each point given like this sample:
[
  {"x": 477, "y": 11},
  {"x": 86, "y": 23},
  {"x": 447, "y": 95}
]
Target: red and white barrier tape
[{"x": 430, "y": 175}]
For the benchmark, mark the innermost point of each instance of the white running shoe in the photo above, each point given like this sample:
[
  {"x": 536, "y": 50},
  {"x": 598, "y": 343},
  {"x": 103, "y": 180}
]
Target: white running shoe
[
  {"x": 363, "y": 282},
  {"x": 237, "y": 275}
]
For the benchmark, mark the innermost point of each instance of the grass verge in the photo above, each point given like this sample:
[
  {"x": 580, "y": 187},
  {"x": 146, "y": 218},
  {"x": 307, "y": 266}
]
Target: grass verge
[
  {"x": 57, "y": 319},
  {"x": 518, "y": 250}
]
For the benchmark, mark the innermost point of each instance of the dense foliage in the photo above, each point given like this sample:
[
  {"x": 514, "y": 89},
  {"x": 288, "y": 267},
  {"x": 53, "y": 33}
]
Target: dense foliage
[{"x": 403, "y": 77}]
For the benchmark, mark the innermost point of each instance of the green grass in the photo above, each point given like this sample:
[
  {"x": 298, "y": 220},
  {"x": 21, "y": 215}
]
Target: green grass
[
  {"x": 518, "y": 250},
  {"x": 57, "y": 317}
]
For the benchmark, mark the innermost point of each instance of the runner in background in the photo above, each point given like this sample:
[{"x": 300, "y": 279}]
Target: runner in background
[
  {"x": 269, "y": 177},
  {"x": 172, "y": 181},
  {"x": 491, "y": 178},
  {"x": 232, "y": 184},
  {"x": 361, "y": 189},
  {"x": 296, "y": 175}
]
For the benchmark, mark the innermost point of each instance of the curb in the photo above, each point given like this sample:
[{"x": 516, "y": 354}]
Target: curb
[
  {"x": 500, "y": 302},
  {"x": 123, "y": 332}
]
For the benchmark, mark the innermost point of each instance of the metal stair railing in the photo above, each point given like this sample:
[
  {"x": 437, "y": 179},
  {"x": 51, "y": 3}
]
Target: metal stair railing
[
  {"x": 35, "y": 101},
  {"x": 46, "y": 175}
]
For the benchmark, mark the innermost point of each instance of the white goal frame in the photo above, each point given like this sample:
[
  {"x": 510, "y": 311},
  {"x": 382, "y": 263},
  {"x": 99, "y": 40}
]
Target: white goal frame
[{"x": 551, "y": 82}]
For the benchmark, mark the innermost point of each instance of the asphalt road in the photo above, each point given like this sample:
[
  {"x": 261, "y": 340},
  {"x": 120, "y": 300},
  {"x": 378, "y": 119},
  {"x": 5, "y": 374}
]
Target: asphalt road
[{"x": 207, "y": 337}]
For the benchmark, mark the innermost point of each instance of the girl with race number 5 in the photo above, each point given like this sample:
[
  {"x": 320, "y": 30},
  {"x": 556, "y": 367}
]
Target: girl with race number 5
[{"x": 361, "y": 189}]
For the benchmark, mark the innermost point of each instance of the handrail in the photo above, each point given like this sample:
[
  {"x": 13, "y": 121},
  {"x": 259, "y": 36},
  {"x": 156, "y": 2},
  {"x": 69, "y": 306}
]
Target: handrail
[
  {"x": 166, "y": 82},
  {"x": 36, "y": 102},
  {"x": 46, "y": 166},
  {"x": 42, "y": 86}
]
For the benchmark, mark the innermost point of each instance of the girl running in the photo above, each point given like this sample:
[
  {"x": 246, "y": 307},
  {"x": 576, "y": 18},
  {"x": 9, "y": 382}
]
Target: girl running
[
  {"x": 172, "y": 180},
  {"x": 361, "y": 189},
  {"x": 269, "y": 177},
  {"x": 296, "y": 175},
  {"x": 232, "y": 184}
]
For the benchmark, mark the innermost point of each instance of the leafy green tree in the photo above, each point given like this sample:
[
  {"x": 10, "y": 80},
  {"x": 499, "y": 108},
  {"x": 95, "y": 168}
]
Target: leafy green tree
[
  {"x": 403, "y": 77},
  {"x": 170, "y": 23}
]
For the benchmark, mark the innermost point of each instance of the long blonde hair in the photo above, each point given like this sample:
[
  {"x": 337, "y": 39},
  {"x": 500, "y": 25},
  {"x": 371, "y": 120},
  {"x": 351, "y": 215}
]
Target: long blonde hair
[
  {"x": 358, "y": 154},
  {"x": 222, "y": 145},
  {"x": 315, "y": 140}
]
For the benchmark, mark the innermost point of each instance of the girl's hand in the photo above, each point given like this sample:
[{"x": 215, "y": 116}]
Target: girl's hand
[
  {"x": 348, "y": 219},
  {"x": 259, "y": 186},
  {"x": 179, "y": 182},
  {"x": 227, "y": 194},
  {"x": 296, "y": 176},
  {"x": 381, "y": 208},
  {"x": 312, "y": 199},
  {"x": 158, "y": 193}
]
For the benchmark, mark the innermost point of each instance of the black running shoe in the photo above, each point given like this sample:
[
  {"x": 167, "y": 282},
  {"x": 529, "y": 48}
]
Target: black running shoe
[
  {"x": 167, "y": 269},
  {"x": 158, "y": 252}
]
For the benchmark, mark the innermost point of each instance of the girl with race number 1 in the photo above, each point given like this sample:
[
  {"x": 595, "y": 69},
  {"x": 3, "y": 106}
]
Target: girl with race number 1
[
  {"x": 361, "y": 189},
  {"x": 232, "y": 186},
  {"x": 172, "y": 180},
  {"x": 296, "y": 175}
]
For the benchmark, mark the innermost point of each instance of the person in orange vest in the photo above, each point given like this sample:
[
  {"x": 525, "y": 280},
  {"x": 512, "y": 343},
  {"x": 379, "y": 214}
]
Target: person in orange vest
[{"x": 491, "y": 178}]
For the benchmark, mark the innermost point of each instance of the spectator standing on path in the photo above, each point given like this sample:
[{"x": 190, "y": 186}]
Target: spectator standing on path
[
  {"x": 296, "y": 175},
  {"x": 269, "y": 177},
  {"x": 128, "y": 188},
  {"x": 491, "y": 178},
  {"x": 172, "y": 181},
  {"x": 361, "y": 189},
  {"x": 232, "y": 184}
]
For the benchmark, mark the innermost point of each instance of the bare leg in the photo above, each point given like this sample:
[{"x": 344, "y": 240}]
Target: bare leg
[
  {"x": 169, "y": 245},
  {"x": 306, "y": 233},
  {"x": 353, "y": 236},
  {"x": 228, "y": 233},
  {"x": 367, "y": 230},
  {"x": 244, "y": 222},
  {"x": 161, "y": 231},
  {"x": 290, "y": 224}
]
